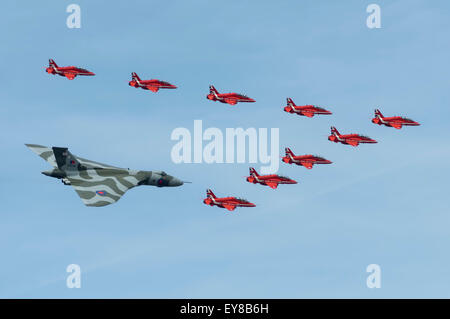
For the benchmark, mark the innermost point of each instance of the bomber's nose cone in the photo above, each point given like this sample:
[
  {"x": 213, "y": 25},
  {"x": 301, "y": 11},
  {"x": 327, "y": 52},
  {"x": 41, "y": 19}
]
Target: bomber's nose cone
[{"x": 175, "y": 182}]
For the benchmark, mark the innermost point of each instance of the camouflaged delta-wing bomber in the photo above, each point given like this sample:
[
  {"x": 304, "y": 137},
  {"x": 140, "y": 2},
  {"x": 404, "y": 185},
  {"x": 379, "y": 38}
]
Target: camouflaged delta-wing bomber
[{"x": 97, "y": 184}]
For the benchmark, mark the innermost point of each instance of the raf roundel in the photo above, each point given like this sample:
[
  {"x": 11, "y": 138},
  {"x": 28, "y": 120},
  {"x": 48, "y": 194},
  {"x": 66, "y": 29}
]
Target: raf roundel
[{"x": 101, "y": 193}]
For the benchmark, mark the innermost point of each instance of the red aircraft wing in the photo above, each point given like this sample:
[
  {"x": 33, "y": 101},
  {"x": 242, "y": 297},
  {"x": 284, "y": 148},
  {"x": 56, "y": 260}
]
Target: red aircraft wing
[
  {"x": 229, "y": 207},
  {"x": 70, "y": 76},
  {"x": 307, "y": 113},
  {"x": 397, "y": 125},
  {"x": 308, "y": 165},
  {"x": 230, "y": 101},
  {"x": 152, "y": 88},
  {"x": 272, "y": 184},
  {"x": 352, "y": 142}
]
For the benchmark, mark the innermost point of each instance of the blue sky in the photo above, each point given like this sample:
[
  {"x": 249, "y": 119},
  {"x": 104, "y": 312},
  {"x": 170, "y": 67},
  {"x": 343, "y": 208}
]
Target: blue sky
[{"x": 385, "y": 204}]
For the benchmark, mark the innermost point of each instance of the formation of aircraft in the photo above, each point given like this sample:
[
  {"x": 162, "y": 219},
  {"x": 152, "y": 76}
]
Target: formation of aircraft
[
  {"x": 100, "y": 184},
  {"x": 394, "y": 121},
  {"x": 349, "y": 139},
  {"x": 97, "y": 184},
  {"x": 152, "y": 85},
  {"x": 229, "y": 98},
  {"x": 307, "y": 161},
  {"x": 69, "y": 72},
  {"x": 304, "y": 110},
  {"x": 272, "y": 180},
  {"x": 230, "y": 203}
]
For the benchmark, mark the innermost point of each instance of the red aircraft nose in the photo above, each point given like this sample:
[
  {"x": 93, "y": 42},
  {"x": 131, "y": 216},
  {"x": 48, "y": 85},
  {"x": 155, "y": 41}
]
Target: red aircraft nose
[
  {"x": 49, "y": 70},
  {"x": 286, "y": 159},
  {"x": 132, "y": 83},
  {"x": 376, "y": 120},
  {"x": 287, "y": 109},
  {"x": 332, "y": 138},
  {"x": 210, "y": 96}
]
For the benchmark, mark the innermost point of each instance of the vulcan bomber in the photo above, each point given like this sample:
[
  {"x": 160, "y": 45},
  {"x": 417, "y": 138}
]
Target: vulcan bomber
[{"x": 97, "y": 184}]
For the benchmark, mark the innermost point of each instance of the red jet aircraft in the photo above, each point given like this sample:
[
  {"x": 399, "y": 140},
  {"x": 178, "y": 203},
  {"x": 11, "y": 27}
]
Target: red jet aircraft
[
  {"x": 152, "y": 85},
  {"x": 230, "y": 203},
  {"x": 229, "y": 98},
  {"x": 69, "y": 72},
  {"x": 394, "y": 121},
  {"x": 349, "y": 139},
  {"x": 304, "y": 160},
  {"x": 305, "y": 110},
  {"x": 270, "y": 180}
]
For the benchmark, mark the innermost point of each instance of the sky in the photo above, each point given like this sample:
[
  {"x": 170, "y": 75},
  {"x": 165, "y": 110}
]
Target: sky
[{"x": 384, "y": 204}]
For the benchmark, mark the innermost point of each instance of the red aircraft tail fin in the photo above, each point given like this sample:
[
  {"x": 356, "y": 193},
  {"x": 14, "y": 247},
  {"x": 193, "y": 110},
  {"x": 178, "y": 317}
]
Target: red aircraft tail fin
[
  {"x": 334, "y": 131},
  {"x": 52, "y": 63},
  {"x": 212, "y": 90},
  {"x": 288, "y": 151},
  {"x": 290, "y": 102},
  {"x": 134, "y": 76},
  {"x": 210, "y": 194},
  {"x": 378, "y": 113},
  {"x": 253, "y": 171}
]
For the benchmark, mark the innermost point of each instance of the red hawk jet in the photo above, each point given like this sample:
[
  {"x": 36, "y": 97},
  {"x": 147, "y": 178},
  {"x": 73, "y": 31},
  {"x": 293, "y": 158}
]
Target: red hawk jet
[
  {"x": 304, "y": 160},
  {"x": 229, "y": 98},
  {"x": 349, "y": 139},
  {"x": 394, "y": 121},
  {"x": 69, "y": 72},
  {"x": 305, "y": 110},
  {"x": 270, "y": 180},
  {"x": 152, "y": 85},
  {"x": 230, "y": 203}
]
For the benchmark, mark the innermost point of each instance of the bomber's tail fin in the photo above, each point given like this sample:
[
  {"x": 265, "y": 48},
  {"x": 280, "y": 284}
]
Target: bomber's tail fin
[
  {"x": 65, "y": 160},
  {"x": 135, "y": 77},
  {"x": 45, "y": 152},
  {"x": 212, "y": 90},
  {"x": 288, "y": 151},
  {"x": 334, "y": 131},
  {"x": 290, "y": 102},
  {"x": 378, "y": 113},
  {"x": 52, "y": 63},
  {"x": 253, "y": 172},
  {"x": 210, "y": 194}
]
